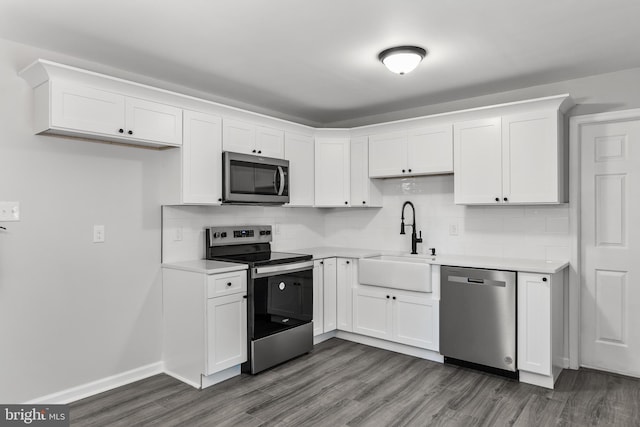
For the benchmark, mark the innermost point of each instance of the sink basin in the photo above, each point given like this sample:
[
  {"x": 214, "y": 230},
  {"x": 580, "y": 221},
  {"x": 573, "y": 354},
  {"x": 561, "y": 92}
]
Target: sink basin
[{"x": 398, "y": 272}]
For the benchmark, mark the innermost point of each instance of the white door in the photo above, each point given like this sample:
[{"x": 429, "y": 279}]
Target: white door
[
  {"x": 332, "y": 175},
  {"x": 318, "y": 298},
  {"x": 270, "y": 142},
  {"x": 153, "y": 121},
  {"x": 299, "y": 150},
  {"x": 329, "y": 291},
  {"x": 477, "y": 161},
  {"x": 388, "y": 155},
  {"x": 610, "y": 181},
  {"x": 226, "y": 332},
  {"x": 201, "y": 158},
  {"x": 430, "y": 150},
  {"x": 87, "y": 109},
  {"x": 372, "y": 311}
]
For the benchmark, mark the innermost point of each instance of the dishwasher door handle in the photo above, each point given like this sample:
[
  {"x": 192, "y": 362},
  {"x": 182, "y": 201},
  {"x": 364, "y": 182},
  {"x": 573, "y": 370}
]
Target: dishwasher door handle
[{"x": 474, "y": 281}]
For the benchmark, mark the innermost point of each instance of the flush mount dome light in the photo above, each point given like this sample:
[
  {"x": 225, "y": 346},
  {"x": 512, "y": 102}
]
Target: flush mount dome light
[{"x": 402, "y": 59}]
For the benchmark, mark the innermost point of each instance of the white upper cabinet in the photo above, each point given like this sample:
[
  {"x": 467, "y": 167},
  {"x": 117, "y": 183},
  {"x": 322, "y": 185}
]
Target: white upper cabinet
[
  {"x": 202, "y": 158},
  {"x": 247, "y": 138},
  {"x": 332, "y": 174},
  {"x": 423, "y": 151},
  {"x": 299, "y": 150},
  {"x": 478, "y": 161},
  {"x": 364, "y": 191},
  {"x": 510, "y": 159},
  {"x": 430, "y": 150},
  {"x": 152, "y": 121},
  {"x": 74, "y": 109}
]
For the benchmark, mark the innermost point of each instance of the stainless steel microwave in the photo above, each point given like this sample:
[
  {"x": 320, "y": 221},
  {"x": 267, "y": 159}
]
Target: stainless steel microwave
[{"x": 254, "y": 179}]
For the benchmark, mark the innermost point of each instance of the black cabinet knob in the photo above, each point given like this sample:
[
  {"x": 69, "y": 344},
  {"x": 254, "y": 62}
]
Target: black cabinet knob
[
  {"x": 403, "y": 171},
  {"x": 253, "y": 151},
  {"x": 409, "y": 170},
  {"x": 259, "y": 151},
  {"x": 220, "y": 199},
  {"x": 394, "y": 297},
  {"x": 364, "y": 202},
  {"x": 130, "y": 132},
  {"x": 244, "y": 296},
  {"x": 544, "y": 279},
  {"x": 387, "y": 296},
  {"x": 120, "y": 130},
  {"x": 228, "y": 283},
  {"x": 497, "y": 199},
  {"x": 348, "y": 262},
  {"x": 346, "y": 203},
  {"x": 321, "y": 262},
  {"x": 506, "y": 200}
]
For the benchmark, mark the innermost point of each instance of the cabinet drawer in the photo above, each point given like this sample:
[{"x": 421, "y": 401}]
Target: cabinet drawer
[{"x": 226, "y": 284}]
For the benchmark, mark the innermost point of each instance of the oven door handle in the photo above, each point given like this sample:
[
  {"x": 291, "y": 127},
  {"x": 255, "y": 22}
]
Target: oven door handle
[{"x": 274, "y": 270}]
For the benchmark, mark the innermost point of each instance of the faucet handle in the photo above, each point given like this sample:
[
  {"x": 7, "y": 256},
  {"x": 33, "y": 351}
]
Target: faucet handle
[{"x": 419, "y": 239}]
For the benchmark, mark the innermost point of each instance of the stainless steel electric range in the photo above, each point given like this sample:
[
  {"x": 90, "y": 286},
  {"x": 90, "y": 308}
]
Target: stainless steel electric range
[{"x": 279, "y": 291}]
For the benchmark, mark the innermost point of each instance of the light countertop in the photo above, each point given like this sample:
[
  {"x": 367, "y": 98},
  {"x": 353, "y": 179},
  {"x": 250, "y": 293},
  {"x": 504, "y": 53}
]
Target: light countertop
[
  {"x": 205, "y": 266},
  {"x": 497, "y": 263}
]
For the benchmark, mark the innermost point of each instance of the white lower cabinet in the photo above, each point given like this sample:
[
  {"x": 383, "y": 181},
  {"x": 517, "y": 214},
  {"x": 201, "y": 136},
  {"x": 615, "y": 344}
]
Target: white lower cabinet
[
  {"x": 540, "y": 327},
  {"x": 204, "y": 325},
  {"x": 401, "y": 316},
  {"x": 318, "y": 297},
  {"x": 346, "y": 278},
  {"x": 226, "y": 332},
  {"x": 329, "y": 289}
]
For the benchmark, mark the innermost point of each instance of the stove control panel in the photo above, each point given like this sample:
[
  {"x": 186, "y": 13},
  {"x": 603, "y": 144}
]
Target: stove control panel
[{"x": 237, "y": 235}]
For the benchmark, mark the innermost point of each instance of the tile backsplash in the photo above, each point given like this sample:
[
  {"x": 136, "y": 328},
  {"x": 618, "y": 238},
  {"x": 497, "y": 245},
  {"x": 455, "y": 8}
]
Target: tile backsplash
[{"x": 540, "y": 232}]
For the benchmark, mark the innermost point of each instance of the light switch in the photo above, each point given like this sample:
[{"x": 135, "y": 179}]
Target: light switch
[
  {"x": 9, "y": 211},
  {"x": 453, "y": 229},
  {"x": 98, "y": 234}
]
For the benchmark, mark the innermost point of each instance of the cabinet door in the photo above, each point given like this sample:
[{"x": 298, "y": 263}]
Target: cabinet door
[
  {"x": 226, "y": 332},
  {"x": 534, "y": 323},
  {"x": 415, "y": 320},
  {"x": 478, "y": 162},
  {"x": 270, "y": 142},
  {"x": 530, "y": 153},
  {"x": 318, "y": 297},
  {"x": 239, "y": 137},
  {"x": 153, "y": 121},
  {"x": 332, "y": 171},
  {"x": 388, "y": 155},
  {"x": 329, "y": 291},
  {"x": 372, "y": 312},
  {"x": 201, "y": 158},
  {"x": 430, "y": 150},
  {"x": 345, "y": 279},
  {"x": 299, "y": 150},
  {"x": 86, "y": 109}
]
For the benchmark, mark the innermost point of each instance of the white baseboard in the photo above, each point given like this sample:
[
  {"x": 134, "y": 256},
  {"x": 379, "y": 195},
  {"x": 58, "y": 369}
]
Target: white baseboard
[
  {"x": 99, "y": 386},
  {"x": 317, "y": 339},
  {"x": 392, "y": 346},
  {"x": 221, "y": 376}
]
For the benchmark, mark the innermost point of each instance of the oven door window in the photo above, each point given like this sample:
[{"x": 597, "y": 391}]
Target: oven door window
[
  {"x": 254, "y": 178},
  {"x": 282, "y": 302}
]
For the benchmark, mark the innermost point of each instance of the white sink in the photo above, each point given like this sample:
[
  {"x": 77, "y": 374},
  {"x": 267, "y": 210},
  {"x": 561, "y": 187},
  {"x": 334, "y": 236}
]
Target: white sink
[{"x": 398, "y": 272}]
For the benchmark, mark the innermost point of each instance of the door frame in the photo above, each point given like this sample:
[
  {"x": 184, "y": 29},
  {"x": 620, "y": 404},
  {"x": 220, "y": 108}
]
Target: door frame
[{"x": 575, "y": 221}]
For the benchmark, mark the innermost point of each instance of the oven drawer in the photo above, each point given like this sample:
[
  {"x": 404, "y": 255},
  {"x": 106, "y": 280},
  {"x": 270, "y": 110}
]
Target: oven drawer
[{"x": 226, "y": 283}]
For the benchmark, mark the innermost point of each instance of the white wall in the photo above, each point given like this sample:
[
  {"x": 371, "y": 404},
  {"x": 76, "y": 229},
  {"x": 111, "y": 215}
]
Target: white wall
[
  {"x": 540, "y": 232},
  {"x": 72, "y": 311}
]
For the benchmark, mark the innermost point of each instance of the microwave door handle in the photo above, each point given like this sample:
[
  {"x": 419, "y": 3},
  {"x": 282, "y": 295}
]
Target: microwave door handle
[{"x": 282, "y": 178}]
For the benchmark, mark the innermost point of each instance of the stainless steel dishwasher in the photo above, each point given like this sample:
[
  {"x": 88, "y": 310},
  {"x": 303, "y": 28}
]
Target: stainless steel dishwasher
[{"x": 478, "y": 318}]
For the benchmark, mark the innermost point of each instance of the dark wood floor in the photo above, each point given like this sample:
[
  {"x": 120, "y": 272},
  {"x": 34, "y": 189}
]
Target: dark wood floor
[{"x": 343, "y": 383}]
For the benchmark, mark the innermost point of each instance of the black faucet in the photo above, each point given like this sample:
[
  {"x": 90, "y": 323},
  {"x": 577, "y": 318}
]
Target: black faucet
[{"x": 414, "y": 238}]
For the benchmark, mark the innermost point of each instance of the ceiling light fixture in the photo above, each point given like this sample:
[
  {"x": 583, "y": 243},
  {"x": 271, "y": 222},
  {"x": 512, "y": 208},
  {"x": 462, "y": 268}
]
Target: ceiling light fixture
[{"x": 402, "y": 59}]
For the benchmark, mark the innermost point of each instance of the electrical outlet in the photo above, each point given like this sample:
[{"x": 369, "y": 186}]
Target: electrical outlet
[
  {"x": 9, "y": 211},
  {"x": 453, "y": 229},
  {"x": 178, "y": 236},
  {"x": 276, "y": 229},
  {"x": 98, "y": 234}
]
